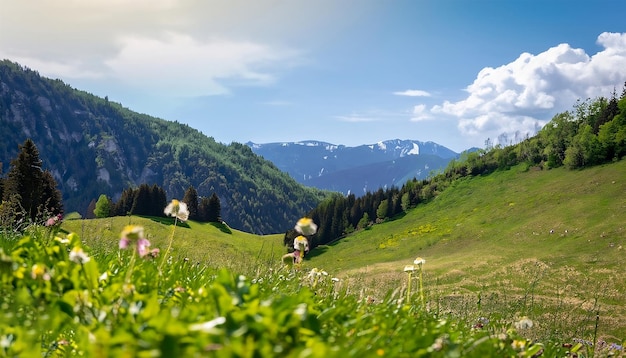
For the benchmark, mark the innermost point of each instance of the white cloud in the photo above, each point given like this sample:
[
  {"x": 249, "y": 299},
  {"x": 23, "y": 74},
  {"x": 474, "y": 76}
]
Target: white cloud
[
  {"x": 179, "y": 64},
  {"x": 355, "y": 118},
  {"x": 420, "y": 113},
  {"x": 528, "y": 92},
  {"x": 413, "y": 93}
]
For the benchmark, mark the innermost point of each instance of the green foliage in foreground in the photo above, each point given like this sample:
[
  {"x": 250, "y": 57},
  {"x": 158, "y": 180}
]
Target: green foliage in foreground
[{"x": 59, "y": 298}]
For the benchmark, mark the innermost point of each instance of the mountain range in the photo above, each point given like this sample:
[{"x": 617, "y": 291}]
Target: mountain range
[{"x": 356, "y": 170}]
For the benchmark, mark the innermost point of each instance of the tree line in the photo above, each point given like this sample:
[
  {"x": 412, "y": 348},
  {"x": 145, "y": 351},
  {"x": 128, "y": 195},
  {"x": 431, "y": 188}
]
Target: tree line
[
  {"x": 29, "y": 195},
  {"x": 592, "y": 133},
  {"x": 149, "y": 200}
]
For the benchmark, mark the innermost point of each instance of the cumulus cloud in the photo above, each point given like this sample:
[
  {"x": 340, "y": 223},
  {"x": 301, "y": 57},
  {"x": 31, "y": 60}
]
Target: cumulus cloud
[{"x": 523, "y": 95}]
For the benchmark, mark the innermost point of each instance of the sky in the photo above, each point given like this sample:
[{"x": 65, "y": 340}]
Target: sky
[{"x": 351, "y": 72}]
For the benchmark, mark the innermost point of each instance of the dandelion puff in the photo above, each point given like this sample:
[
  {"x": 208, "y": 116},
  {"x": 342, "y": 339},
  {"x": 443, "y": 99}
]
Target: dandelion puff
[
  {"x": 306, "y": 226},
  {"x": 524, "y": 323},
  {"x": 177, "y": 209},
  {"x": 79, "y": 256}
]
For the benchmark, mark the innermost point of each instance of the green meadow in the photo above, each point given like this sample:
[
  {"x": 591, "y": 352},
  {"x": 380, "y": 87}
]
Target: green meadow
[
  {"x": 544, "y": 243},
  {"x": 518, "y": 263}
]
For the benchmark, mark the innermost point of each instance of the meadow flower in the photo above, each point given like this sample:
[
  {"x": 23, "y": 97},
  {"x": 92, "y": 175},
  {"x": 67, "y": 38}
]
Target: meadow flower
[
  {"x": 524, "y": 323},
  {"x": 306, "y": 226},
  {"x": 177, "y": 209},
  {"x": 135, "y": 234},
  {"x": 419, "y": 261},
  {"x": 518, "y": 345},
  {"x": 54, "y": 220},
  {"x": 300, "y": 245},
  {"x": 79, "y": 256},
  {"x": 129, "y": 234},
  {"x": 409, "y": 268},
  {"x": 143, "y": 247},
  {"x": 39, "y": 271}
]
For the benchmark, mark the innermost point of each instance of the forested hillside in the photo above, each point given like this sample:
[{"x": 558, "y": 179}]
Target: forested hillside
[{"x": 93, "y": 146}]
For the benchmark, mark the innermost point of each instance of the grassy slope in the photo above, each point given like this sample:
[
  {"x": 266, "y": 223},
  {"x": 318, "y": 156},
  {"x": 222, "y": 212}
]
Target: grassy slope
[
  {"x": 209, "y": 243},
  {"x": 502, "y": 217},
  {"x": 491, "y": 235}
]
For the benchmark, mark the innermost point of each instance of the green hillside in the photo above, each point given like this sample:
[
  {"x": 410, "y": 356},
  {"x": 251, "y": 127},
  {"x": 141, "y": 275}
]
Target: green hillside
[
  {"x": 548, "y": 244},
  {"x": 213, "y": 244},
  {"x": 524, "y": 241}
]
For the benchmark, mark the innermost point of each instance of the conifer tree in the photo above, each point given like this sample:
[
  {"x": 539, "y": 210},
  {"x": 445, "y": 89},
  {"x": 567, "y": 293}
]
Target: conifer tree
[
  {"x": 142, "y": 204},
  {"x": 157, "y": 201},
  {"x": 124, "y": 205},
  {"x": 30, "y": 191},
  {"x": 191, "y": 199},
  {"x": 90, "y": 209},
  {"x": 203, "y": 209},
  {"x": 214, "y": 209},
  {"x": 50, "y": 193}
]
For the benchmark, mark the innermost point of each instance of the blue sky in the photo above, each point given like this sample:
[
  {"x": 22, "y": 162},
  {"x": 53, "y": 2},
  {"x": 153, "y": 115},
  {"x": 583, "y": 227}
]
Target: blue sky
[{"x": 346, "y": 72}]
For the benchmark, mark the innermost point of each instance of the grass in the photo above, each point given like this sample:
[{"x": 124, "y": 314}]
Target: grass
[
  {"x": 528, "y": 242},
  {"x": 209, "y": 243},
  {"x": 518, "y": 263},
  {"x": 524, "y": 242}
]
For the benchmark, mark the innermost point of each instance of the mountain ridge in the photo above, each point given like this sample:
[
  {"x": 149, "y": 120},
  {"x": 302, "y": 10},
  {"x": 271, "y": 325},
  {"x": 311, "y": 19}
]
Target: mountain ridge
[
  {"x": 356, "y": 169},
  {"x": 94, "y": 146}
]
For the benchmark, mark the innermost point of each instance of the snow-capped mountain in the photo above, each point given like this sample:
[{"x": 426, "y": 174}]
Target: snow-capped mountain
[{"x": 356, "y": 169}]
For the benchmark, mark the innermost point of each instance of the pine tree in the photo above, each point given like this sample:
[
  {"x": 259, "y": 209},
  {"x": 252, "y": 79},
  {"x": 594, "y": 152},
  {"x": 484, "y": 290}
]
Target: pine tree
[
  {"x": 191, "y": 199},
  {"x": 28, "y": 189},
  {"x": 214, "y": 209},
  {"x": 160, "y": 200},
  {"x": 90, "y": 210},
  {"x": 142, "y": 204},
  {"x": 50, "y": 193},
  {"x": 203, "y": 209},
  {"x": 124, "y": 205}
]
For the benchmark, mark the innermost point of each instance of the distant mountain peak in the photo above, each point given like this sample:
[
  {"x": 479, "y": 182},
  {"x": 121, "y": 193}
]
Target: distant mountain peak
[{"x": 350, "y": 169}]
